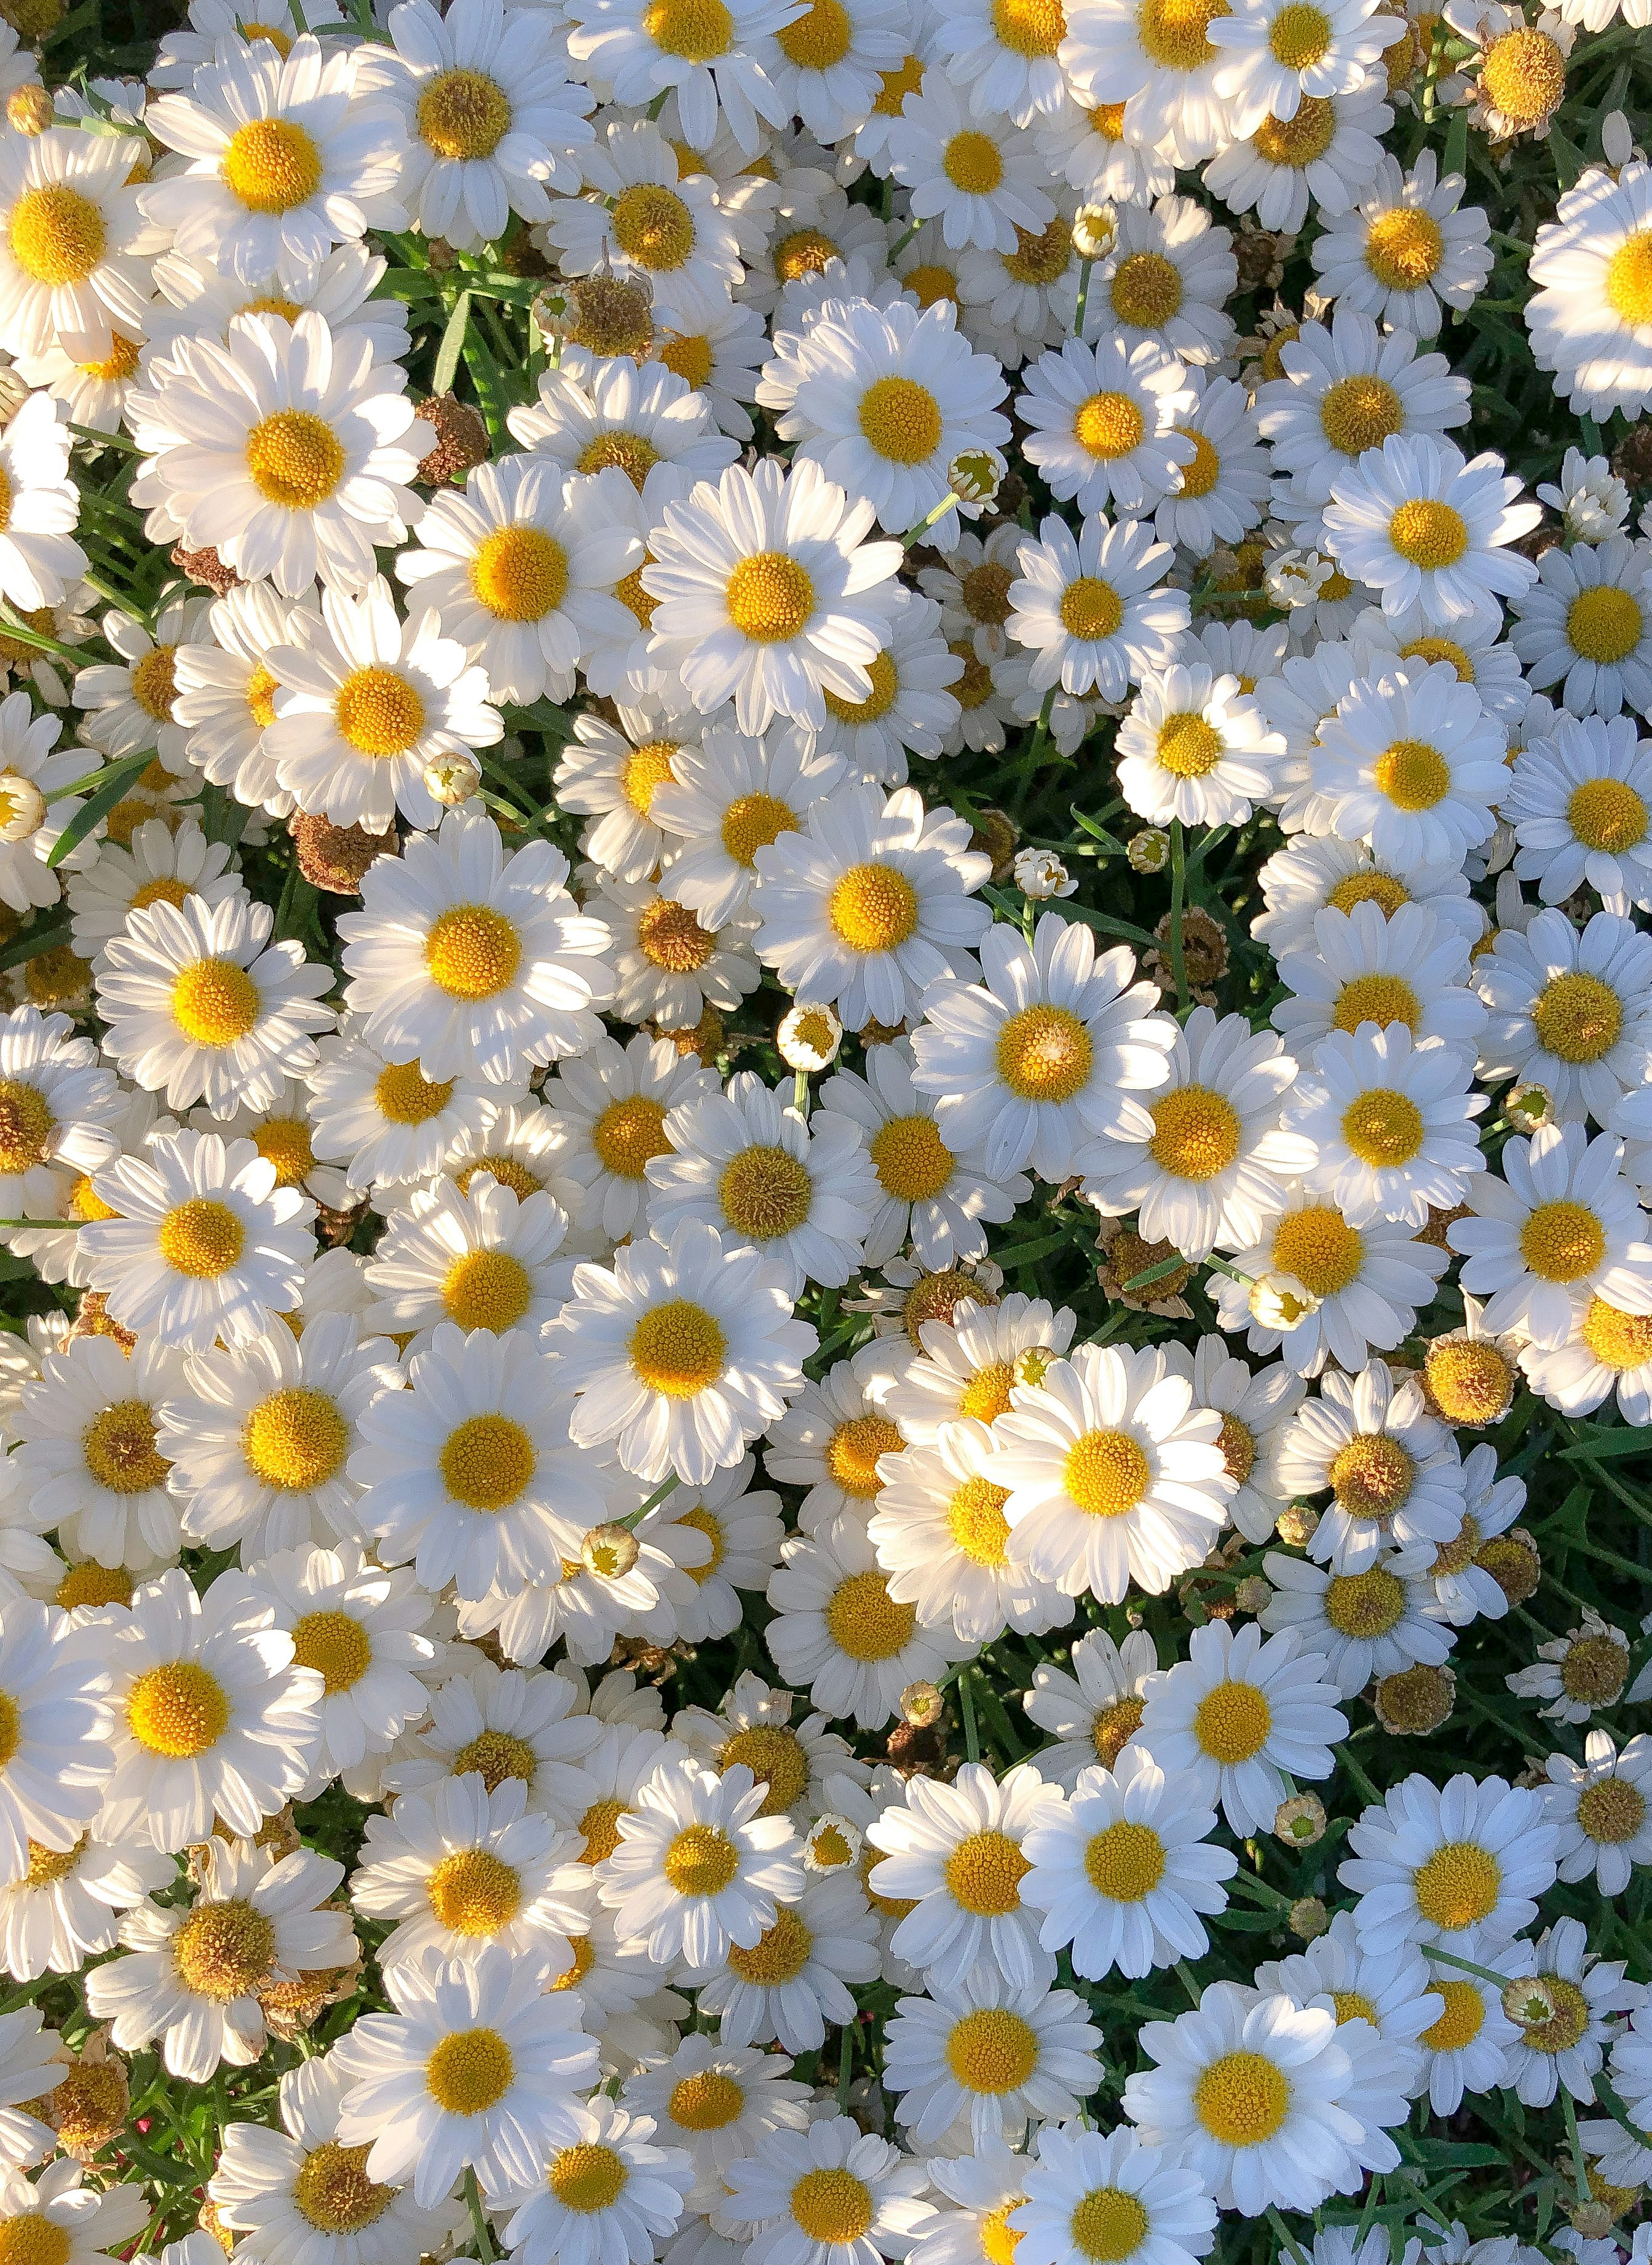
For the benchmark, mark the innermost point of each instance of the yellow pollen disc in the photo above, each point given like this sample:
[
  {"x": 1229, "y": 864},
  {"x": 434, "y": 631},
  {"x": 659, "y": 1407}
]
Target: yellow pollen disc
[
  {"x": 1360, "y": 412},
  {"x": 1373, "y": 1475},
  {"x": 901, "y": 420},
  {"x": 628, "y": 1134},
  {"x": 864, "y": 1621},
  {"x": 1174, "y": 33},
  {"x": 600, "y": 1826},
  {"x": 335, "y": 1646},
  {"x": 223, "y": 1951},
  {"x": 215, "y": 1002},
  {"x": 1044, "y": 1053},
  {"x": 853, "y": 1451},
  {"x": 1607, "y": 814},
  {"x": 699, "y": 30},
  {"x": 701, "y": 1860},
  {"x": 469, "y": 2072},
  {"x": 984, "y": 1874},
  {"x": 1429, "y": 534},
  {"x": 1468, "y": 1380},
  {"x": 284, "y": 1142},
  {"x": 678, "y": 1349},
  {"x": 1562, "y": 1241},
  {"x": 780, "y": 1955},
  {"x": 751, "y": 822},
  {"x": 820, "y": 38},
  {"x": 269, "y": 302},
  {"x": 998, "y": 2238},
  {"x": 405, "y": 1095},
  {"x": 486, "y": 1461},
  {"x": 1029, "y": 27},
  {"x": 120, "y": 1449},
  {"x": 1232, "y": 1722},
  {"x": 635, "y": 456},
  {"x": 1108, "y": 2224},
  {"x": 294, "y": 459},
  {"x": 520, "y": 573},
  {"x": 1188, "y": 747},
  {"x": 987, "y": 1395},
  {"x": 1381, "y": 999},
  {"x": 653, "y": 227},
  {"x": 1201, "y": 475},
  {"x": 911, "y": 1160},
  {"x": 1106, "y": 1474},
  {"x": 1364, "y": 1605},
  {"x": 25, "y": 1126},
  {"x": 463, "y": 114},
  {"x": 272, "y": 164},
  {"x": 177, "y": 1710},
  {"x": 1605, "y": 623},
  {"x": 1242, "y": 2099},
  {"x": 831, "y": 2206},
  {"x": 1147, "y": 289},
  {"x": 473, "y": 1893},
  {"x": 90, "y": 1582},
  {"x": 587, "y": 2178},
  {"x": 1238, "y": 1445},
  {"x": 1595, "y": 1669},
  {"x": 1107, "y": 121},
  {"x": 154, "y": 685},
  {"x": 494, "y": 1755},
  {"x": 1461, "y": 2017},
  {"x": 670, "y": 936},
  {"x": 296, "y": 1439},
  {"x": 472, "y": 952},
  {"x": 895, "y": 85},
  {"x": 1295, "y": 143},
  {"x": 764, "y": 1193},
  {"x": 986, "y": 593},
  {"x": 775, "y": 1758},
  {"x": 770, "y": 597},
  {"x": 84, "y": 1203},
  {"x": 1611, "y": 1811},
  {"x": 1413, "y": 774},
  {"x": 333, "y": 2193},
  {"x": 873, "y": 908},
  {"x": 1124, "y": 1862},
  {"x": 201, "y": 1238},
  {"x": 1041, "y": 259},
  {"x": 644, "y": 771},
  {"x": 1629, "y": 280},
  {"x": 1114, "y": 1727},
  {"x": 971, "y": 161},
  {"x": 1459, "y": 1886},
  {"x": 992, "y": 2051},
  {"x": 1404, "y": 248},
  {"x": 1108, "y": 425},
  {"x": 1577, "y": 1017},
  {"x": 1524, "y": 75},
  {"x": 976, "y": 1521},
  {"x": 1300, "y": 36},
  {"x": 259, "y": 692},
  {"x": 57, "y": 236},
  {"x": 805, "y": 251},
  {"x": 706, "y": 2101},
  {"x": 1197, "y": 1134},
  {"x": 1090, "y": 610},
  {"x": 1353, "y": 2006},
  {"x": 378, "y": 712},
  {"x": 1383, "y": 1128},
  {"x": 487, "y": 1290},
  {"x": 1368, "y": 888},
  {"x": 692, "y": 358},
  {"x": 878, "y": 701},
  {"x": 1618, "y": 1341}
]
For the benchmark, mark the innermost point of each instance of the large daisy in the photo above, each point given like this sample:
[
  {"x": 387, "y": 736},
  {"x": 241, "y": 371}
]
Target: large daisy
[{"x": 1424, "y": 528}]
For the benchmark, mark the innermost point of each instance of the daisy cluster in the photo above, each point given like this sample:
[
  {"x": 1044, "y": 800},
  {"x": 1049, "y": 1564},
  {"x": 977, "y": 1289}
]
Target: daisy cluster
[{"x": 826, "y": 1132}]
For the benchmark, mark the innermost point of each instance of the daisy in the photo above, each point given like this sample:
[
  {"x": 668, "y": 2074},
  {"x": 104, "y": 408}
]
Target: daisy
[
  {"x": 479, "y": 1257},
  {"x": 1113, "y": 1474},
  {"x": 197, "y": 1241},
  {"x": 56, "y": 1775},
  {"x": 982, "y": 2055},
  {"x": 1581, "y": 807},
  {"x": 58, "y": 1107},
  {"x": 1279, "y": 60},
  {"x": 1363, "y": 966},
  {"x": 1217, "y": 494},
  {"x": 838, "y": 1631},
  {"x": 1606, "y": 1351},
  {"x": 837, "y": 1440},
  {"x": 285, "y": 158},
  {"x": 1167, "y": 276},
  {"x": 225, "y": 699},
  {"x": 1600, "y": 1810},
  {"x": 940, "y": 1533},
  {"x": 1239, "y": 1713},
  {"x": 976, "y": 172},
  {"x": 196, "y": 1971},
  {"x": 745, "y": 1534},
  {"x": 698, "y": 1866},
  {"x": 874, "y": 902},
  {"x": 1406, "y": 248},
  {"x": 726, "y": 796},
  {"x": 459, "y": 1867},
  {"x": 613, "y": 416},
  {"x": 1084, "y": 143},
  {"x": 1318, "y": 872},
  {"x": 610, "y": 2192},
  {"x": 471, "y": 962},
  {"x": 1589, "y": 316},
  {"x": 1371, "y": 1623},
  {"x": 1435, "y": 1862},
  {"x": 500, "y": 1723},
  {"x": 910, "y": 708},
  {"x": 753, "y": 1727},
  {"x": 281, "y": 2189},
  {"x": 469, "y": 1473},
  {"x": 1569, "y": 1013},
  {"x": 90, "y": 1455},
  {"x": 654, "y": 223},
  {"x": 67, "y": 1907},
  {"x": 1561, "y": 1223},
  {"x": 1102, "y": 422},
  {"x": 1587, "y": 626},
  {"x": 1249, "y": 2088},
  {"x": 1426, "y": 530},
  {"x": 1008, "y": 60},
  {"x": 387, "y": 1123},
  {"x": 798, "y": 1977},
  {"x": 197, "y": 300},
  {"x": 213, "y": 1716},
  {"x": 33, "y": 2060},
  {"x": 610, "y": 1107},
  {"x": 469, "y": 2070},
  {"x": 680, "y": 1354},
  {"x": 1095, "y": 1712},
  {"x": 615, "y": 775},
  {"x": 717, "y": 2103},
  {"x": 1346, "y": 388},
  {"x": 360, "y": 1628},
  {"x": 40, "y": 562},
  {"x": 1566, "y": 2047},
  {"x": 1122, "y": 1870},
  {"x": 77, "y": 245},
  {"x": 1085, "y": 2190},
  {"x": 1393, "y": 1469},
  {"x": 1089, "y": 610},
  {"x": 1255, "y": 1413},
  {"x": 1392, "y": 1122},
  {"x": 972, "y": 591},
  {"x": 1465, "y": 1589},
  {"x": 1193, "y": 746},
  {"x": 158, "y": 863},
  {"x": 767, "y": 594},
  {"x": 1365, "y": 1285},
  {"x": 1161, "y": 66},
  {"x": 1466, "y": 2047},
  {"x": 1578, "y": 1673},
  {"x": 129, "y": 705},
  {"x": 77, "y": 2223},
  {"x": 710, "y": 66},
  {"x": 308, "y": 458},
  {"x": 953, "y": 1854}
]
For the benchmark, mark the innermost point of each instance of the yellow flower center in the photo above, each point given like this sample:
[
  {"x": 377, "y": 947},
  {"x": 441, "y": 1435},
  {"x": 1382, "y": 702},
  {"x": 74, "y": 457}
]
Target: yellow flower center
[
  {"x": 866, "y": 1622},
  {"x": 1605, "y": 623},
  {"x": 1108, "y": 2224},
  {"x": 1360, "y": 412},
  {"x": 1368, "y": 888},
  {"x": 1090, "y": 610},
  {"x": 1379, "y": 999},
  {"x": 587, "y": 2178},
  {"x": 1373, "y": 1475},
  {"x": 333, "y": 2193},
  {"x": 635, "y": 456},
  {"x": 379, "y": 713},
  {"x": 1611, "y": 1811},
  {"x": 706, "y": 2101},
  {"x": 1524, "y": 75},
  {"x": 987, "y": 1395},
  {"x": 1383, "y": 1127},
  {"x": 992, "y": 2051},
  {"x": 764, "y": 1193},
  {"x": 751, "y": 822},
  {"x": 1468, "y": 1380},
  {"x": 853, "y": 1451},
  {"x": 1577, "y": 1017},
  {"x": 90, "y": 1582},
  {"x": 600, "y": 1827},
  {"x": 495, "y": 1755},
  {"x": 1461, "y": 2017},
  {"x": 1029, "y": 27},
  {"x": 1404, "y": 248},
  {"x": 1297, "y": 141},
  {"x": 678, "y": 1349},
  {"x": 820, "y": 38},
  {"x": 1197, "y": 1134},
  {"x": 770, "y": 597},
  {"x": 472, "y": 952},
  {"x": 1300, "y": 36},
  {"x": 285, "y": 1142},
  {"x": 805, "y": 251},
  {"x": 901, "y": 420},
  {"x": 272, "y": 164},
  {"x": 1431, "y": 536},
  {"x": 1108, "y": 425},
  {"x": 831, "y": 2206},
  {"x": 1459, "y": 1886},
  {"x": 873, "y": 908},
  {"x": 1364, "y": 1605},
  {"x": 1201, "y": 475},
  {"x": 1124, "y": 1862},
  {"x": 405, "y": 1095},
  {"x": 201, "y": 1238},
  {"x": 297, "y": 1438},
  {"x": 337, "y": 1647},
  {"x": 1606, "y": 813},
  {"x": 971, "y": 161},
  {"x": 1041, "y": 259},
  {"x": 1188, "y": 747},
  {"x": 878, "y": 701},
  {"x": 1106, "y": 1474},
  {"x": 780, "y": 1955},
  {"x": 976, "y": 1521},
  {"x": 120, "y": 1449},
  {"x": 463, "y": 114},
  {"x": 57, "y": 236},
  {"x": 1242, "y": 2099},
  {"x": 699, "y": 30},
  {"x": 154, "y": 685},
  {"x": 701, "y": 1860},
  {"x": 294, "y": 459},
  {"x": 670, "y": 937},
  {"x": 1319, "y": 1248},
  {"x": 912, "y": 1161},
  {"x": 26, "y": 1124},
  {"x": 1044, "y": 1053},
  {"x": 1630, "y": 279},
  {"x": 215, "y": 1002},
  {"x": 775, "y": 1758},
  {"x": 1147, "y": 289},
  {"x": 486, "y": 1461},
  {"x": 644, "y": 771},
  {"x": 984, "y": 1874},
  {"x": 473, "y": 1893},
  {"x": 628, "y": 1134},
  {"x": 177, "y": 1710},
  {"x": 895, "y": 85},
  {"x": 1562, "y": 1241},
  {"x": 1618, "y": 1341},
  {"x": 487, "y": 1290},
  {"x": 223, "y": 1951},
  {"x": 469, "y": 2072},
  {"x": 520, "y": 573},
  {"x": 1413, "y": 774},
  {"x": 1114, "y": 1727},
  {"x": 1175, "y": 34},
  {"x": 259, "y": 692},
  {"x": 703, "y": 1522},
  {"x": 1232, "y": 1722},
  {"x": 653, "y": 227}
]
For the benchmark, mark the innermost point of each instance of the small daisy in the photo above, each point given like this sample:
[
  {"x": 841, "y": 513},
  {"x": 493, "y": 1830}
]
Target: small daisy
[
  {"x": 977, "y": 172},
  {"x": 1167, "y": 277},
  {"x": 1085, "y": 2190},
  {"x": 1581, "y": 807},
  {"x": 1371, "y": 1623},
  {"x": 1578, "y": 1673},
  {"x": 941, "y": 1534},
  {"x": 1606, "y": 1352},
  {"x": 718, "y": 2103},
  {"x": 754, "y": 1726},
  {"x": 832, "y": 2187},
  {"x": 798, "y": 1977},
  {"x": 77, "y": 2223},
  {"x": 1245, "y": 1715},
  {"x": 498, "y": 1722},
  {"x": 459, "y": 1867},
  {"x": 610, "y": 1107},
  {"x": 953, "y": 1854},
  {"x": 613, "y": 416},
  {"x": 226, "y": 694},
  {"x": 1406, "y": 248},
  {"x": 40, "y": 562},
  {"x": 358, "y": 1627},
  {"x": 1589, "y": 316},
  {"x": 1113, "y": 1474},
  {"x": 1194, "y": 746},
  {"x": 1601, "y": 1810},
  {"x": 1217, "y": 494},
  {"x": 160, "y": 862},
  {"x": 1101, "y": 422},
  {"x": 1363, "y": 966},
  {"x": 1161, "y": 68},
  {"x": 88, "y": 1452},
  {"x": 479, "y": 1257},
  {"x": 726, "y": 796},
  {"x": 710, "y": 67},
  {"x": 1560, "y": 1224},
  {"x": 1424, "y": 528},
  {"x": 1279, "y": 59},
  {"x": 77, "y": 244},
  {"x": 745, "y": 1534},
  {"x": 129, "y": 704},
  {"x": 965, "y": 1366},
  {"x": 388, "y": 1123},
  {"x": 1467, "y": 2048},
  {"x": 1569, "y": 1013},
  {"x": 609, "y": 2193},
  {"x": 1255, "y": 1412},
  {"x": 1393, "y": 1469},
  {"x": 831, "y": 71},
  {"x": 910, "y": 708},
  {"x": 1393, "y": 1123},
  {"x": 1435, "y": 1862},
  {"x": 67, "y": 1908},
  {"x": 1090, "y": 610},
  {"x": 1586, "y": 625},
  {"x": 615, "y": 775},
  {"x": 1366, "y": 1285},
  {"x": 1567, "y": 2046},
  {"x": 699, "y": 1866},
  {"x": 838, "y": 1631},
  {"x": 980, "y": 2054}
]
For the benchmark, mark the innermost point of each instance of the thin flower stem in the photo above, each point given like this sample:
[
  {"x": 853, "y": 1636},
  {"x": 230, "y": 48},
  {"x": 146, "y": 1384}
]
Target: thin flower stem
[{"x": 478, "y": 2216}]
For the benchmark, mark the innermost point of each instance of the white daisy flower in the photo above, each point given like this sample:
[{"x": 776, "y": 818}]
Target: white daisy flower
[
  {"x": 798, "y": 1977},
  {"x": 77, "y": 245},
  {"x": 1327, "y": 154},
  {"x": 1467, "y": 2046},
  {"x": 196, "y": 1970},
  {"x": 1394, "y": 1469},
  {"x": 1406, "y": 249},
  {"x": 472, "y": 961},
  {"x": 34, "y": 2060},
  {"x": 59, "y": 1107},
  {"x": 129, "y": 704},
  {"x": 592, "y": 417},
  {"x": 389, "y": 1125},
  {"x": 1101, "y": 422},
  {"x": 77, "y": 2223},
  {"x": 647, "y": 222},
  {"x": 745, "y": 1534},
  {"x": 718, "y": 2102},
  {"x": 1393, "y": 1123},
  {"x": 226, "y": 693},
  {"x": 1578, "y": 1673},
  {"x": 610, "y": 2193},
  {"x": 1435, "y": 1862},
  {"x": 198, "y": 300},
  {"x": 836, "y": 1440},
  {"x": 1375, "y": 1622},
  {"x": 753, "y": 1727},
  {"x": 1601, "y": 1810},
  {"x": 668, "y": 969},
  {"x": 728, "y": 795},
  {"x": 1194, "y": 746},
  {"x": 67, "y": 1908},
  {"x": 1408, "y": 967},
  {"x": 1587, "y": 626},
  {"x": 1113, "y": 1474},
  {"x": 459, "y": 1867},
  {"x": 911, "y": 707},
  {"x": 1318, "y": 872},
  {"x": 40, "y": 562},
  {"x": 965, "y": 1366},
  {"x": 1216, "y": 495},
  {"x": 972, "y": 590},
  {"x": 1245, "y": 1715},
  {"x": 1280, "y": 59},
  {"x": 1160, "y": 66},
  {"x": 1571, "y": 1014},
  {"x": 953, "y": 1854},
  {"x": 88, "y": 1452},
  {"x": 982, "y": 2055},
  {"x": 1567, "y": 2046},
  {"x": 941, "y": 1533},
  {"x": 610, "y": 1107},
  {"x": 1086, "y": 2190},
  {"x": 1169, "y": 273},
  {"x": 1084, "y": 143},
  {"x": 699, "y": 1866},
  {"x": 358, "y": 1627},
  {"x": 1424, "y": 528},
  {"x": 832, "y": 2187},
  {"x": 976, "y": 172},
  {"x": 1607, "y": 1352},
  {"x": 1466, "y": 1591},
  {"x": 614, "y": 775},
  {"x": 1255, "y": 1413},
  {"x": 55, "y": 1776},
  {"x": 1089, "y": 609},
  {"x": 1367, "y": 1285},
  {"x": 479, "y": 1257},
  {"x": 1589, "y": 316},
  {"x": 1581, "y": 807},
  {"x": 1124, "y": 1868},
  {"x": 159, "y": 864},
  {"x": 837, "y": 1629},
  {"x": 497, "y": 1723},
  {"x": 287, "y": 449},
  {"x": 710, "y": 64},
  {"x": 1345, "y": 387}
]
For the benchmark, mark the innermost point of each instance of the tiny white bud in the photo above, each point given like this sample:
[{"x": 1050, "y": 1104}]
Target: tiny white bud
[
  {"x": 1280, "y": 1301},
  {"x": 453, "y": 779},
  {"x": 1039, "y": 875},
  {"x": 809, "y": 1037}
]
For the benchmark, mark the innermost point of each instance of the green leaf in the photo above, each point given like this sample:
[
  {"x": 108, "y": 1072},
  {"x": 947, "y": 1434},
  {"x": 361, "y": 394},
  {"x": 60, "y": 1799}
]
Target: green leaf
[
  {"x": 452, "y": 345},
  {"x": 33, "y": 941},
  {"x": 1457, "y": 144},
  {"x": 111, "y": 784}
]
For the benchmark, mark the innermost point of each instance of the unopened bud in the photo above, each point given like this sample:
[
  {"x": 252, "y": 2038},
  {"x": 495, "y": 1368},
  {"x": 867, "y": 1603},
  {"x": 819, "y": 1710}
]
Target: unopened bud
[
  {"x": 1039, "y": 875},
  {"x": 1308, "y": 1917},
  {"x": 1528, "y": 2001},
  {"x": 1528, "y": 1106},
  {"x": 921, "y": 1705},
  {"x": 1298, "y": 1524},
  {"x": 609, "y": 1552},
  {"x": 975, "y": 477},
  {"x": 1095, "y": 231},
  {"x": 1281, "y": 1302},
  {"x": 1299, "y": 1822},
  {"x": 29, "y": 108},
  {"x": 1149, "y": 851},
  {"x": 809, "y": 1037},
  {"x": 453, "y": 779},
  {"x": 1032, "y": 1364},
  {"x": 1253, "y": 1594}
]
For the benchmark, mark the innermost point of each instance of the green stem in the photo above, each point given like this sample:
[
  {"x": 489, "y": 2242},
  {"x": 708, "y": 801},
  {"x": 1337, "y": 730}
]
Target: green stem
[
  {"x": 1287, "y": 2240},
  {"x": 1450, "y": 1958},
  {"x": 665, "y": 1487},
  {"x": 478, "y": 2216},
  {"x": 1580, "y": 2172},
  {"x": 846, "y": 2063},
  {"x": 966, "y": 1708}
]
